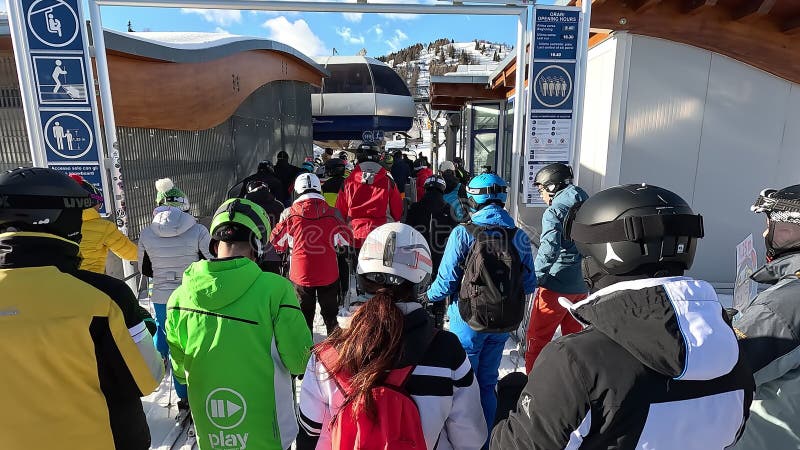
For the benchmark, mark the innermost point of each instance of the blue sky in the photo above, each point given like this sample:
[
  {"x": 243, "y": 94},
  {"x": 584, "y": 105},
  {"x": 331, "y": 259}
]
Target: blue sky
[{"x": 319, "y": 33}]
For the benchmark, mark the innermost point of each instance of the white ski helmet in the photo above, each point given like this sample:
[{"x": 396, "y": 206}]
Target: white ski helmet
[
  {"x": 307, "y": 182},
  {"x": 395, "y": 252}
]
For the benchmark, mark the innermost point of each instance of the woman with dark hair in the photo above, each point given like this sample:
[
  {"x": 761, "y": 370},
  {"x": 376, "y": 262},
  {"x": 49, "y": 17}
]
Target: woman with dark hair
[{"x": 389, "y": 342}]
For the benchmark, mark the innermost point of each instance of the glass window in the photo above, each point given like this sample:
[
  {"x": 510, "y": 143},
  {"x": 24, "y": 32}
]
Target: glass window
[
  {"x": 486, "y": 117},
  {"x": 387, "y": 81},
  {"x": 315, "y": 89},
  {"x": 484, "y": 151},
  {"x": 348, "y": 79}
]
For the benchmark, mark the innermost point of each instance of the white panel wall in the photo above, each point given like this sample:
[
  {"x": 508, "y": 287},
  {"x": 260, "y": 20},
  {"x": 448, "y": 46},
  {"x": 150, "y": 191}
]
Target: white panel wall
[
  {"x": 710, "y": 128},
  {"x": 597, "y": 115},
  {"x": 666, "y": 94}
]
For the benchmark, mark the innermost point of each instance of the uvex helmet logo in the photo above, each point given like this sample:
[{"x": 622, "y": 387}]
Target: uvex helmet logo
[
  {"x": 77, "y": 202},
  {"x": 4, "y": 203}
]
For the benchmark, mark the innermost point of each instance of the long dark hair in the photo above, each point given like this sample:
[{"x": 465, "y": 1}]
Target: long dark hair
[{"x": 372, "y": 344}]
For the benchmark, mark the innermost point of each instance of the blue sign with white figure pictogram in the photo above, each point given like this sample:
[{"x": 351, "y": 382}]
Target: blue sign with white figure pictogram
[
  {"x": 61, "y": 80},
  {"x": 69, "y": 136},
  {"x": 553, "y": 85},
  {"x": 53, "y": 24}
]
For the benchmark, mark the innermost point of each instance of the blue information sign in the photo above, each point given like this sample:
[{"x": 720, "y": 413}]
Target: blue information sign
[
  {"x": 53, "y": 38},
  {"x": 556, "y": 34}
]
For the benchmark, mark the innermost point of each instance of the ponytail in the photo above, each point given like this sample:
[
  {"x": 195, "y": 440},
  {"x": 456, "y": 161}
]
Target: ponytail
[{"x": 368, "y": 349}]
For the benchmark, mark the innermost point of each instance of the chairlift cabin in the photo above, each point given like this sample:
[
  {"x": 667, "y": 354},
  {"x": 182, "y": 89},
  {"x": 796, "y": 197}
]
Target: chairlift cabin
[{"x": 361, "y": 94}]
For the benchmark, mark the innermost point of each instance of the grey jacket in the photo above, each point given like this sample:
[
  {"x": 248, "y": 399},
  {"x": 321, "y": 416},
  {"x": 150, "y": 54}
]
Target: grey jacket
[
  {"x": 769, "y": 329},
  {"x": 172, "y": 242}
]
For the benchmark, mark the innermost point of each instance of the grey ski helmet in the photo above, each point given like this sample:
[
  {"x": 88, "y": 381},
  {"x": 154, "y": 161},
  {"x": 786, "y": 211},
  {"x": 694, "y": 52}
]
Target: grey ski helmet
[
  {"x": 782, "y": 208},
  {"x": 553, "y": 177}
]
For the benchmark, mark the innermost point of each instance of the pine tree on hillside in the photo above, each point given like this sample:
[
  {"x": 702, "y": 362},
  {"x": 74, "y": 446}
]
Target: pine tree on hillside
[
  {"x": 477, "y": 45},
  {"x": 496, "y": 57},
  {"x": 451, "y": 52}
]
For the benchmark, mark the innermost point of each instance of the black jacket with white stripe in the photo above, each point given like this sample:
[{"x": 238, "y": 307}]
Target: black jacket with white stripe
[
  {"x": 442, "y": 385},
  {"x": 658, "y": 367}
]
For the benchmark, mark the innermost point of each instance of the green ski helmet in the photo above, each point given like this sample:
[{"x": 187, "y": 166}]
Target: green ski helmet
[{"x": 241, "y": 220}]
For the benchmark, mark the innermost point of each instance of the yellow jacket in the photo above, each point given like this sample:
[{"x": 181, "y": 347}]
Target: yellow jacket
[{"x": 100, "y": 236}]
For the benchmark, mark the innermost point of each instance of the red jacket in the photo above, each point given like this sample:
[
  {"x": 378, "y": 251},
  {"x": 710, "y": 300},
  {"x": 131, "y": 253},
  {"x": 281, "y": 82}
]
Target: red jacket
[
  {"x": 369, "y": 199},
  {"x": 422, "y": 175},
  {"x": 313, "y": 230}
]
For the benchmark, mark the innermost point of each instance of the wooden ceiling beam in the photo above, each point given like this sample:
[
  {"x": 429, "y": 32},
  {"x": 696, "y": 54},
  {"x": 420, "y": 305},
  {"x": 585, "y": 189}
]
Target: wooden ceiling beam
[
  {"x": 643, "y": 5},
  {"x": 753, "y": 10},
  {"x": 791, "y": 26},
  {"x": 697, "y": 6}
]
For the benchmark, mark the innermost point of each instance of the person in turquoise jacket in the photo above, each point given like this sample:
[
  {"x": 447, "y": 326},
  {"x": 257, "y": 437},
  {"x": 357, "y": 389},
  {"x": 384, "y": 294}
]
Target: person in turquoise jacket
[
  {"x": 487, "y": 196},
  {"x": 237, "y": 335},
  {"x": 558, "y": 262}
]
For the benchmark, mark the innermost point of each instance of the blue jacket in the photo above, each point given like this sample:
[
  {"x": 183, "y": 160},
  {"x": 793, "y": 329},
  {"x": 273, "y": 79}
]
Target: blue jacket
[
  {"x": 448, "y": 280},
  {"x": 558, "y": 263},
  {"x": 457, "y": 203}
]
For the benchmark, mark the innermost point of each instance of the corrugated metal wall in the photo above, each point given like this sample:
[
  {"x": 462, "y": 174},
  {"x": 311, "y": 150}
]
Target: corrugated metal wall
[
  {"x": 14, "y": 150},
  {"x": 204, "y": 164}
]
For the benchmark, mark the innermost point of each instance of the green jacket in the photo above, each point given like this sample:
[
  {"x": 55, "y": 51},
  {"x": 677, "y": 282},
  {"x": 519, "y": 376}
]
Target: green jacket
[{"x": 236, "y": 333}]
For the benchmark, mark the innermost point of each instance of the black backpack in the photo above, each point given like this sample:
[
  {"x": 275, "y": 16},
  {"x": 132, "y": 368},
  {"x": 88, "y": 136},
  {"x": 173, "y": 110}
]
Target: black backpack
[{"x": 492, "y": 295}]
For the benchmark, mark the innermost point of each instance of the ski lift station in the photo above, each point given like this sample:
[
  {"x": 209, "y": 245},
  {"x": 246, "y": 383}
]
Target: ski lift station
[{"x": 697, "y": 96}]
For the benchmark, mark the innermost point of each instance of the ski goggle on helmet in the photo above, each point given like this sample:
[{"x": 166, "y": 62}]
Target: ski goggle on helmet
[
  {"x": 241, "y": 220},
  {"x": 394, "y": 253},
  {"x": 486, "y": 188},
  {"x": 782, "y": 208}
]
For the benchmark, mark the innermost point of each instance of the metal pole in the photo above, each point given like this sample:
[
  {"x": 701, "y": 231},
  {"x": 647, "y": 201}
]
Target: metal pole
[
  {"x": 583, "y": 54},
  {"x": 28, "y": 94},
  {"x": 517, "y": 152},
  {"x": 110, "y": 129},
  {"x": 308, "y": 6}
]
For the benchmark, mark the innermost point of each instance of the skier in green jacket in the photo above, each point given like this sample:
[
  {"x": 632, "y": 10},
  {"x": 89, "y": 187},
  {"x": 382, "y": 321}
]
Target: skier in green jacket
[{"x": 236, "y": 335}]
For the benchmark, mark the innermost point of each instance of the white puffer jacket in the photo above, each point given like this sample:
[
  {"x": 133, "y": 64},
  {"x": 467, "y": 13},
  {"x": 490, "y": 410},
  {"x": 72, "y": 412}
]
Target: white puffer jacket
[{"x": 172, "y": 242}]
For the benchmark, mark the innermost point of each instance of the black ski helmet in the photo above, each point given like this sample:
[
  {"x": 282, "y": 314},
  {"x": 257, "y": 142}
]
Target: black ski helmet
[
  {"x": 553, "y": 177},
  {"x": 335, "y": 167},
  {"x": 782, "y": 208},
  {"x": 367, "y": 152},
  {"x": 636, "y": 228},
  {"x": 435, "y": 182},
  {"x": 42, "y": 200}
]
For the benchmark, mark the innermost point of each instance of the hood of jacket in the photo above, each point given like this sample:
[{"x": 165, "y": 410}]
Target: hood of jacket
[
  {"x": 29, "y": 249},
  {"x": 214, "y": 284},
  {"x": 565, "y": 198},
  {"x": 777, "y": 269},
  {"x": 90, "y": 214},
  {"x": 169, "y": 221},
  {"x": 311, "y": 206},
  {"x": 672, "y": 325},
  {"x": 370, "y": 173},
  {"x": 493, "y": 215}
]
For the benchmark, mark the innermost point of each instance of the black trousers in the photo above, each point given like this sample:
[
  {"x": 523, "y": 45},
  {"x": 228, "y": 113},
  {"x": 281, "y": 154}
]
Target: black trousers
[
  {"x": 328, "y": 297},
  {"x": 344, "y": 274}
]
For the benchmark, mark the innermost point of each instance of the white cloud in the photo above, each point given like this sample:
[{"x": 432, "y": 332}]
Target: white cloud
[
  {"x": 349, "y": 37},
  {"x": 394, "y": 16},
  {"x": 296, "y": 34},
  {"x": 220, "y": 17},
  {"x": 353, "y": 17},
  {"x": 221, "y": 30},
  {"x": 396, "y": 40},
  {"x": 378, "y": 31}
]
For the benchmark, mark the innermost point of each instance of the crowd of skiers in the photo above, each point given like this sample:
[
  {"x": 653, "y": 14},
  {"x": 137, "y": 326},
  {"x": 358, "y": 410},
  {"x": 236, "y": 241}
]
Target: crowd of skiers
[{"x": 648, "y": 357}]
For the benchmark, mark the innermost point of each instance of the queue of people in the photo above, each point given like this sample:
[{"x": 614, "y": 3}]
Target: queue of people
[{"x": 647, "y": 358}]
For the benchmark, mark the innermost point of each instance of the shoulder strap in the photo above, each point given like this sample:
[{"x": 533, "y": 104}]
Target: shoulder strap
[{"x": 328, "y": 357}]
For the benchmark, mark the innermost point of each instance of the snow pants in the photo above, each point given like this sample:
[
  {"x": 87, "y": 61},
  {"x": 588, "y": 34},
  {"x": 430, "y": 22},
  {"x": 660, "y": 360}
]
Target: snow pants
[
  {"x": 328, "y": 297},
  {"x": 485, "y": 351},
  {"x": 163, "y": 347},
  {"x": 546, "y": 315}
]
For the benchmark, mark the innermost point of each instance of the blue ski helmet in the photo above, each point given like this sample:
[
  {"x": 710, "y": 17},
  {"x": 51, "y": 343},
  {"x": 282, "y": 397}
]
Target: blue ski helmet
[{"x": 486, "y": 188}]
